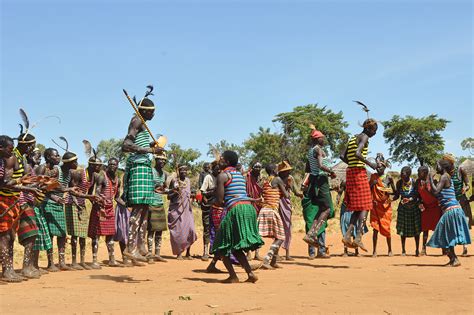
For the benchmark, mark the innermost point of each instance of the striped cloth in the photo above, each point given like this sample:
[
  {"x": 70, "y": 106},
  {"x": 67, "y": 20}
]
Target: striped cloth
[
  {"x": 9, "y": 211},
  {"x": 235, "y": 188},
  {"x": 43, "y": 239},
  {"x": 314, "y": 163},
  {"x": 270, "y": 223},
  {"x": 451, "y": 230},
  {"x": 358, "y": 195},
  {"x": 352, "y": 146},
  {"x": 27, "y": 227}
]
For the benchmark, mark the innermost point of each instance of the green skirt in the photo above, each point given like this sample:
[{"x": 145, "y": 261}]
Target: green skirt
[
  {"x": 238, "y": 231},
  {"x": 43, "y": 240},
  {"x": 408, "y": 219},
  {"x": 139, "y": 184},
  {"x": 157, "y": 219},
  {"x": 77, "y": 222},
  {"x": 55, "y": 218},
  {"x": 310, "y": 211}
]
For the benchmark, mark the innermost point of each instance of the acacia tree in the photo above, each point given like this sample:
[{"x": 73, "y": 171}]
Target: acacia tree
[
  {"x": 468, "y": 144},
  {"x": 415, "y": 140},
  {"x": 111, "y": 148},
  {"x": 265, "y": 146},
  {"x": 178, "y": 155},
  {"x": 223, "y": 145},
  {"x": 295, "y": 136}
]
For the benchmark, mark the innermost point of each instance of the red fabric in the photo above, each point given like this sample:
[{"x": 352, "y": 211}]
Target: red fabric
[
  {"x": 9, "y": 219},
  {"x": 102, "y": 219},
  {"x": 254, "y": 191},
  {"x": 216, "y": 216},
  {"x": 315, "y": 134},
  {"x": 27, "y": 226},
  {"x": 432, "y": 213},
  {"x": 381, "y": 213},
  {"x": 358, "y": 195}
]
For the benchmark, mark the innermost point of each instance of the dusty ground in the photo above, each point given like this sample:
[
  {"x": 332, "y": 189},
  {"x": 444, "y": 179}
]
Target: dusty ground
[{"x": 384, "y": 285}]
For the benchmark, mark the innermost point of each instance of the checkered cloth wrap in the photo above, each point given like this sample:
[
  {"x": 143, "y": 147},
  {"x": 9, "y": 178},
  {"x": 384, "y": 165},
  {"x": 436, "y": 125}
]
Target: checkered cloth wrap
[
  {"x": 139, "y": 184},
  {"x": 358, "y": 195},
  {"x": 270, "y": 224},
  {"x": 8, "y": 220},
  {"x": 55, "y": 217},
  {"x": 157, "y": 219},
  {"x": 43, "y": 239},
  {"x": 102, "y": 221},
  {"x": 409, "y": 219},
  {"x": 77, "y": 220},
  {"x": 27, "y": 227}
]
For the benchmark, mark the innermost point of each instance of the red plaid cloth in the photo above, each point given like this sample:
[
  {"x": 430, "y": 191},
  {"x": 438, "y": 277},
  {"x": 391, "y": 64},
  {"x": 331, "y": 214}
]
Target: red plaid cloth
[
  {"x": 216, "y": 216},
  {"x": 101, "y": 223},
  {"x": 27, "y": 227},
  {"x": 270, "y": 224},
  {"x": 9, "y": 217},
  {"x": 358, "y": 195}
]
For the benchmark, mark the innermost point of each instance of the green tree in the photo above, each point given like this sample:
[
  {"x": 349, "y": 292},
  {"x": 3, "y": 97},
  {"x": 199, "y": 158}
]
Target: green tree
[
  {"x": 178, "y": 155},
  {"x": 41, "y": 147},
  {"x": 223, "y": 145},
  {"x": 415, "y": 140},
  {"x": 292, "y": 142},
  {"x": 265, "y": 146},
  {"x": 111, "y": 148}
]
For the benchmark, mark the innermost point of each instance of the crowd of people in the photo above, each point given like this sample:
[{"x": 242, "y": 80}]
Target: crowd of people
[{"x": 40, "y": 201}]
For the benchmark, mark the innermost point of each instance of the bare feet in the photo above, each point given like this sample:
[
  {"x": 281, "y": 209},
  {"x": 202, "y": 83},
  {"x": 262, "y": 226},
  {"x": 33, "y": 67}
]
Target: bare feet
[
  {"x": 52, "y": 268},
  {"x": 455, "y": 263},
  {"x": 417, "y": 253},
  {"x": 374, "y": 255},
  {"x": 85, "y": 266},
  {"x": 231, "y": 280},
  {"x": 323, "y": 256},
  {"x": 42, "y": 271},
  {"x": 404, "y": 254},
  {"x": 160, "y": 259},
  {"x": 213, "y": 269},
  {"x": 113, "y": 263},
  {"x": 423, "y": 252},
  {"x": 126, "y": 262},
  {"x": 30, "y": 273},
  {"x": 134, "y": 256},
  {"x": 289, "y": 258},
  {"x": 345, "y": 254},
  {"x": 256, "y": 266},
  {"x": 76, "y": 266},
  {"x": 390, "y": 254},
  {"x": 464, "y": 251},
  {"x": 252, "y": 278},
  {"x": 137, "y": 263},
  {"x": 258, "y": 258},
  {"x": 188, "y": 257},
  {"x": 310, "y": 241},
  {"x": 267, "y": 267},
  {"x": 205, "y": 257},
  {"x": 95, "y": 265},
  {"x": 11, "y": 276},
  {"x": 64, "y": 267}
]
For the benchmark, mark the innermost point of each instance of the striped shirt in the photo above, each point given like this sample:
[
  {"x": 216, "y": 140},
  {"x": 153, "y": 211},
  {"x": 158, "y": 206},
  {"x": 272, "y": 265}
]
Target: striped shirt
[
  {"x": 271, "y": 196},
  {"x": 447, "y": 198},
  {"x": 314, "y": 163},
  {"x": 83, "y": 186},
  {"x": 234, "y": 189},
  {"x": 458, "y": 183},
  {"x": 142, "y": 140},
  {"x": 352, "y": 159},
  {"x": 16, "y": 174}
]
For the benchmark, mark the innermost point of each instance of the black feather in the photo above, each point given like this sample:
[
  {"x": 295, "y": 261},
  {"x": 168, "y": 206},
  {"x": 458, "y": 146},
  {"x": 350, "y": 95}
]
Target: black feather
[
  {"x": 364, "y": 107},
  {"x": 135, "y": 100},
  {"x": 58, "y": 145},
  {"x": 95, "y": 154},
  {"x": 65, "y": 141},
  {"x": 87, "y": 148},
  {"x": 25, "y": 119},
  {"x": 21, "y": 128},
  {"x": 150, "y": 90}
]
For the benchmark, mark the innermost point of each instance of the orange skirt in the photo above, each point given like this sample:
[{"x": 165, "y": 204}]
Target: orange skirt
[
  {"x": 9, "y": 211},
  {"x": 381, "y": 218}
]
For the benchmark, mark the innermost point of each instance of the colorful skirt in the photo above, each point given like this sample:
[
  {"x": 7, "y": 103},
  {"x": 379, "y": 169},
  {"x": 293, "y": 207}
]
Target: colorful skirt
[
  {"x": 27, "y": 227},
  {"x": 77, "y": 221},
  {"x": 139, "y": 184},
  {"x": 55, "y": 217},
  {"x": 452, "y": 230},
  {"x": 157, "y": 219},
  {"x": 122, "y": 216},
  {"x": 238, "y": 231},
  {"x": 408, "y": 219},
  {"x": 311, "y": 211},
  {"x": 43, "y": 239},
  {"x": 358, "y": 195},
  {"x": 430, "y": 218},
  {"x": 285, "y": 213},
  {"x": 381, "y": 218},
  {"x": 270, "y": 224},
  {"x": 9, "y": 211},
  {"x": 100, "y": 223}
]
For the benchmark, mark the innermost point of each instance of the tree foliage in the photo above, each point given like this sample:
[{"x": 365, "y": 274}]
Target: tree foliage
[
  {"x": 468, "y": 144},
  {"x": 292, "y": 142},
  {"x": 41, "y": 147},
  {"x": 111, "y": 148},
  {"x": 179, "y": 156},
  {"x": 415, "y": 140},
  {"x": 223, "y": 145}
]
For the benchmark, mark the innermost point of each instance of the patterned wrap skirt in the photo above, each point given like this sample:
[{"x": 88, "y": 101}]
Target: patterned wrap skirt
[
  {"x": 43, "y": 239},
  {"x": 452, "y": 230},
  {"x": 102, "y": 221},
  {"x": 139, "y": 184},
  {"x": 270, "y": 224},
  {"x": 157, "y": 219},
  {"x": 55, "y": 217},
  {"x": 238, "y": 231},
  {"x": 122, "y": 216},
  {"x": 27, "y": 227},
  {"x": 10, "y": 210},
  {"x": 77, "y": 221},
  {"x": 408, "y": 219},
  {"x": 358, "y": 195}
]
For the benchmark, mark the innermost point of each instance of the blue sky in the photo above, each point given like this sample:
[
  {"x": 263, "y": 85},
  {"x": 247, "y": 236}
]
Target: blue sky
[{"x": 242, "y": 61}]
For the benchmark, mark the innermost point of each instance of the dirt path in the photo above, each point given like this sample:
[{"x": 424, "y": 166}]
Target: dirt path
[{"x": 385, "y": 285}]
